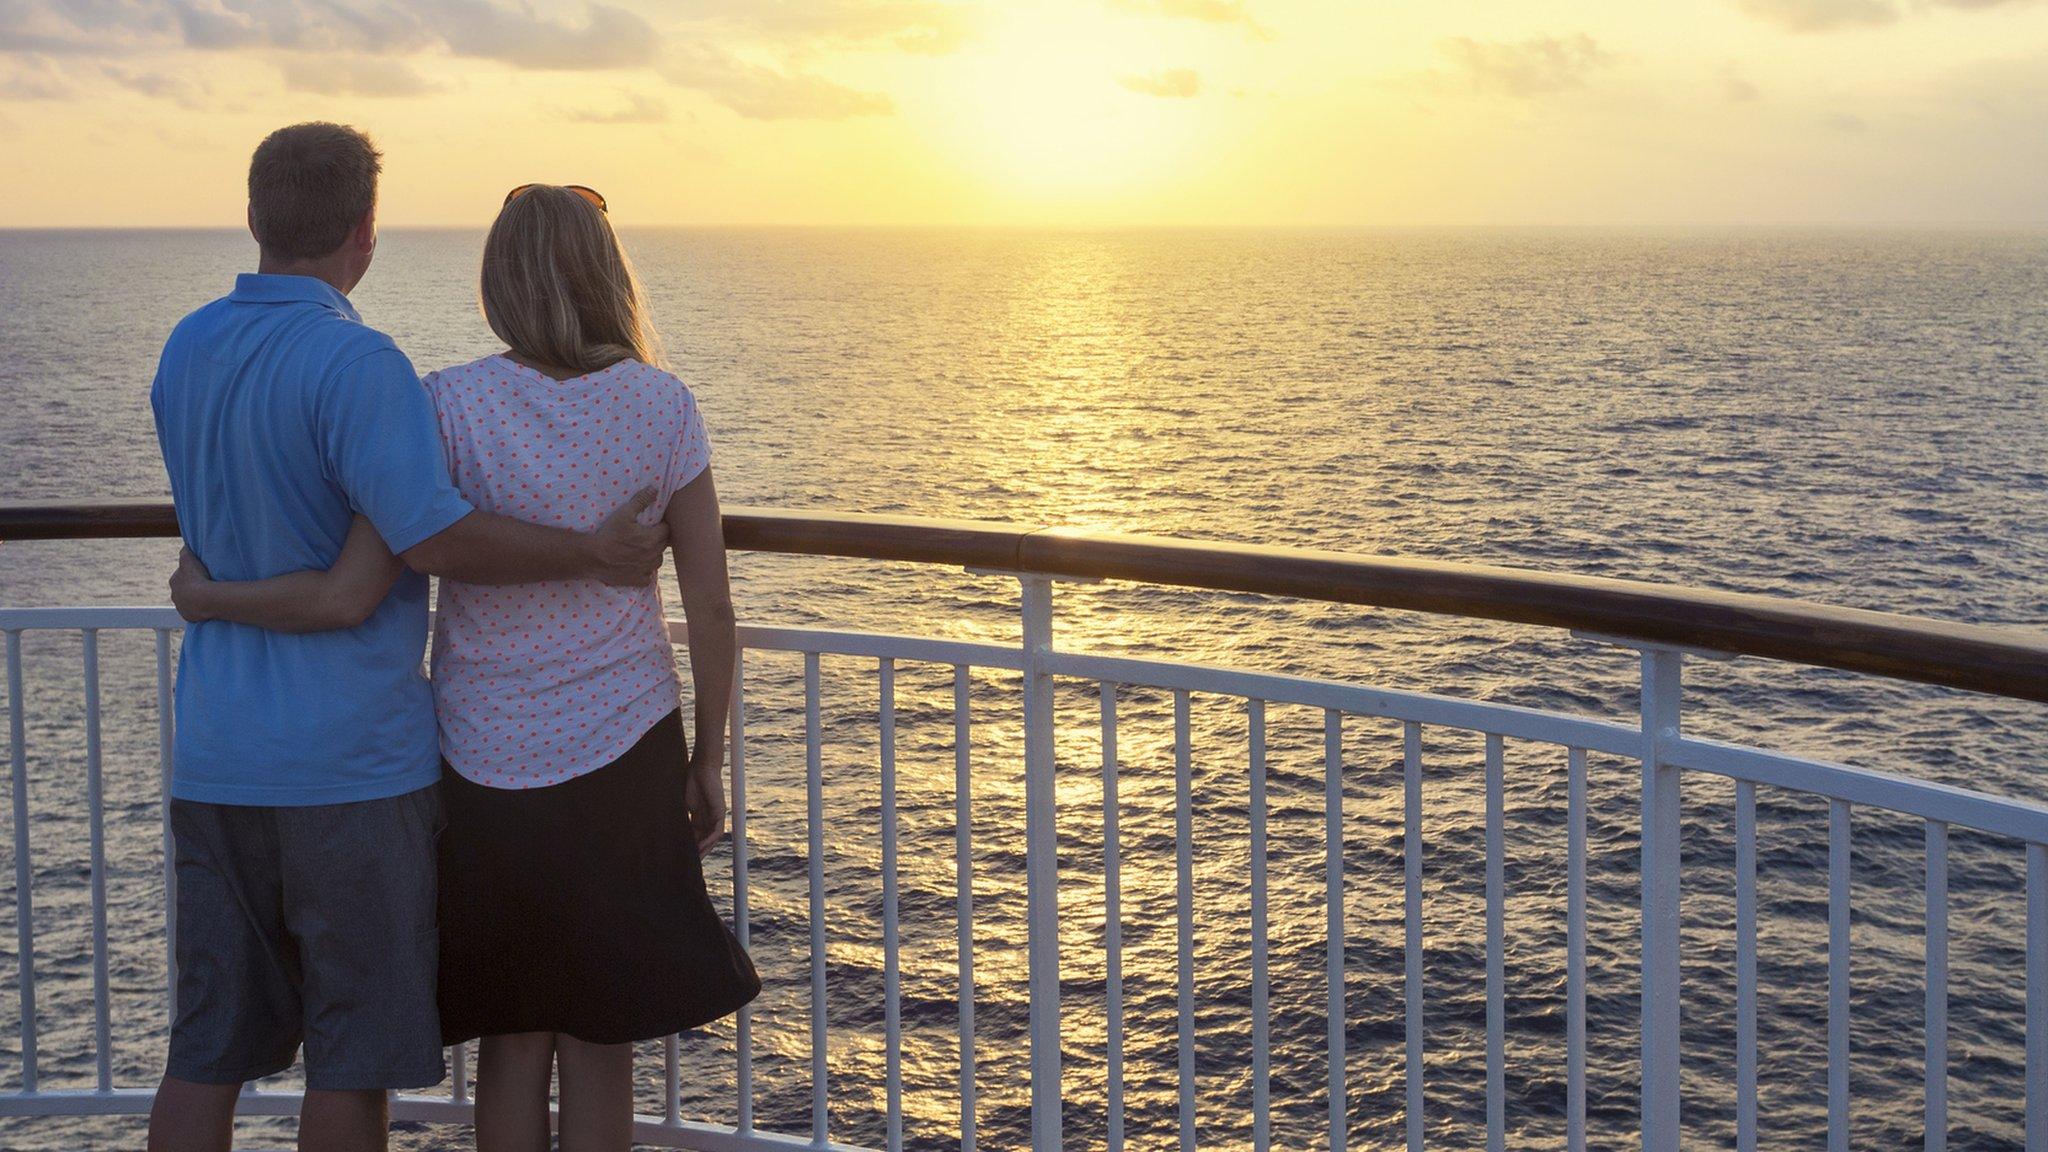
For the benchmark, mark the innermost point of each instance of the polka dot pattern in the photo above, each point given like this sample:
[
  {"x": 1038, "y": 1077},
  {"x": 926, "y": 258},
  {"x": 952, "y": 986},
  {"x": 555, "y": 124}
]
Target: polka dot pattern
[{"x": 535, "y": 684}]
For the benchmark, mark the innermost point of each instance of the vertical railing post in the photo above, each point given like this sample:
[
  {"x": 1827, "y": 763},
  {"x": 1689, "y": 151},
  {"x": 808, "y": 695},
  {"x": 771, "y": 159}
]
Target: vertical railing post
[
  {"x": 1496, "y": 947},
  {"x": 1935, "y": 1033},
  {"x": 1333, "y": 895},
  {"x": 1112, "y": 923},
  {"x": 963, "y": 900},
  {"x": 1184, "y": 913},
  {"x": 1262, "y": 1056},
  {"x": 1041, "y": 865},
  {"x": 96, "y": 835},
  {"x": 1745, "y": 966},
  {"x": 814, "y": 784},
  {"x": 743, "y": 1030},
  {"x": 1575, "y": 952},
  {"x": 1662, "y": 678},
  {"x": 165, "y": 747},
  {"x": 24, "y": 910},
  {"x": 892, "y": 977},
  {"x": 2037, "y": 998},
  {"x": 1411, "y": 928}
]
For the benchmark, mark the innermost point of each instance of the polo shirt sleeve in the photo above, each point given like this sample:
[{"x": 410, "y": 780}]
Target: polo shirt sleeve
[{"x": 381, "y": 445}]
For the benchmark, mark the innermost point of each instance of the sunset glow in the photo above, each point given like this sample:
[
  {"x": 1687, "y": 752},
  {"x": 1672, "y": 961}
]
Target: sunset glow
[{"x": 1110, "y": 112}]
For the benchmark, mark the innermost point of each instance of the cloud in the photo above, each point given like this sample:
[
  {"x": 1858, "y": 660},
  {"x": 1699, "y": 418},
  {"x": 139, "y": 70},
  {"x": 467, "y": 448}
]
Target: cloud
[
  {"x": 609, "y": 38},
  {"x": 327, "y": 74},
  {"x": 31, "y": 76},
  {"x": 512, "y": 33},
  {"x": 304, "y": 25},
  {"x": 35, "y": 78},
  {"x": 639, "y": 110},
  {"x": 360, "y": 47},
  {"x": 1846, "y": 122},
  {"x": 1821, "y": 15},
  {"x": 927, "y": 27},
  {"x": 82, "y": 27},
  {"x": 1174, "y": 82},
  {"x": 762, "y": 93},
  {"x": 1537, "y": 66},
  {"x": 2010, "y": 93},
  {"x": 1834, "y": 15},
  {"x": 178, "y": 89},
  {"x": 1207, "y": 11},
  {"x": 1738, "y": 89}
]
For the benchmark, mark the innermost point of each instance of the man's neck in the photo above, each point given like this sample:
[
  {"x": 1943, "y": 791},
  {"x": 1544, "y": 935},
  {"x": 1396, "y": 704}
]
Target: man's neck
[{"x": 326, "y": 270}]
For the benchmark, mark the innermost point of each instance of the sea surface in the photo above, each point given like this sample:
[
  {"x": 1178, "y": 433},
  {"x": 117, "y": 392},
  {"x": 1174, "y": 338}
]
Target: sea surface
[{"x": 1858, "y": 418}]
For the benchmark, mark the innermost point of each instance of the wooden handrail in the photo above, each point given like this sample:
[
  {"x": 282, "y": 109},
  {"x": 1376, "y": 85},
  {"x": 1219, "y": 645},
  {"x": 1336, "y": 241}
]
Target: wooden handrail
[{"x": 2002, "y": 661}]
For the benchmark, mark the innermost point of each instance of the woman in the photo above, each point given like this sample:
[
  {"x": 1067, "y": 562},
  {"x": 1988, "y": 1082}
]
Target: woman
[{"x": 573, "y": 914}]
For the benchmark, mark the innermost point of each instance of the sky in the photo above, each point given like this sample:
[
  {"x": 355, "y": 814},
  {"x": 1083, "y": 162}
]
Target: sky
[{"x": 1050, "y": 112}]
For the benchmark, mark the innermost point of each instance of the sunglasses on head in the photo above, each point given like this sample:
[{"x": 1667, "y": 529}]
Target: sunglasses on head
[{"x": 590, "y": 194}]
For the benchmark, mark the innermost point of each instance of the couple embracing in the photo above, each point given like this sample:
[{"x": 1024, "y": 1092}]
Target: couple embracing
[{"x": 374, "y": 865}]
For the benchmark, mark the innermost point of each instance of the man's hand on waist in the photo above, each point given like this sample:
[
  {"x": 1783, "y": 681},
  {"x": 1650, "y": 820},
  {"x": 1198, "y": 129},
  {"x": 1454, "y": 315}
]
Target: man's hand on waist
[{"x": 624, "y": 552}]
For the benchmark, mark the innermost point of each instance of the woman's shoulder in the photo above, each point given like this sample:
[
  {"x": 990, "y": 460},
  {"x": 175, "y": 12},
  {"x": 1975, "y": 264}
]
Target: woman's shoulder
[
  {"x": 654, "y": 376},
  {"x": 458, "y": 375},
  {"x": 661, "y": 385}
]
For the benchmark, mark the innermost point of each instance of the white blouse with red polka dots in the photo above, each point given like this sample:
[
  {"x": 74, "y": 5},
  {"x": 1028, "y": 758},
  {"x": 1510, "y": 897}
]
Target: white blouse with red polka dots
[{"x": 535, "y": 684}]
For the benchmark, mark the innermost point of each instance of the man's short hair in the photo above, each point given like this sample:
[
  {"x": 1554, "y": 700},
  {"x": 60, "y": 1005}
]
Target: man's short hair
[{"x": 309, "y": 186}]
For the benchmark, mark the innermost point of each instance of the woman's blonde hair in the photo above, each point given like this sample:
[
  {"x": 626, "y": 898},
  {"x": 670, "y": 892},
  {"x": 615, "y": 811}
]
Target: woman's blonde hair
[{"x": 557, "y": 287}]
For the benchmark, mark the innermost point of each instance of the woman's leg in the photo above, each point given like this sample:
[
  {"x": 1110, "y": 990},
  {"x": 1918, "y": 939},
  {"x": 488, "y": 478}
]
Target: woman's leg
[
  {"x": 597, "y": 1095},
  {"x": 512, "y": 1091}
]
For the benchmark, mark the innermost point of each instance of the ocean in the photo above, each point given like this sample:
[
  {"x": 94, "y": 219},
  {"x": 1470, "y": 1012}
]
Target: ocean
[{"x": 1857, "y": 418}]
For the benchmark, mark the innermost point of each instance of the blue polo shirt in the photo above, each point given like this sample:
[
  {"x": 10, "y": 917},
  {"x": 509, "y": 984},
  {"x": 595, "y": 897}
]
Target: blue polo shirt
[{"x": 281, "y": 415}]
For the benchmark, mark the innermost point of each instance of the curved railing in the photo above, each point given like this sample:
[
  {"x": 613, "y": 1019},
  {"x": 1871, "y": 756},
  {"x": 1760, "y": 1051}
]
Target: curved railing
[
  {"x": 1664, "y": 623},
  {"x": 2004, "y": 662}
]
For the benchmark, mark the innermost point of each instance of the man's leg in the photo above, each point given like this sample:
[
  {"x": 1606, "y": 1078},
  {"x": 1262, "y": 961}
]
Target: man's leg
[
  {"x": 344, "y": 1121},
  {"x": 359, "y": 898},
  {"x": 188, "y": 1117},
  {"x": 238, "y": 1007}
]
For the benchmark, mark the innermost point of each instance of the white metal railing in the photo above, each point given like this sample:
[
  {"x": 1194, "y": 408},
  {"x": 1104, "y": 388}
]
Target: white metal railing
[{"x": 1665, "y": 753}]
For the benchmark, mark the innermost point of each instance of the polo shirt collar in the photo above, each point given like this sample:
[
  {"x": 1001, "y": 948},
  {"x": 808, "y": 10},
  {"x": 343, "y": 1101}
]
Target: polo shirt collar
[{"x": 266, "y": 288}]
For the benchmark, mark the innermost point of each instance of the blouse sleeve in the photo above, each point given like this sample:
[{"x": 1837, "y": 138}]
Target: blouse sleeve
[
  {"x": 443, "y": 418},
  {"x": 691, "y": 453}
]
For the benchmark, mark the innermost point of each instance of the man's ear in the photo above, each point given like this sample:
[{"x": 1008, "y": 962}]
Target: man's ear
[
  {"x": 365, "y": 235},
  {"x": 250, "y": 215}
]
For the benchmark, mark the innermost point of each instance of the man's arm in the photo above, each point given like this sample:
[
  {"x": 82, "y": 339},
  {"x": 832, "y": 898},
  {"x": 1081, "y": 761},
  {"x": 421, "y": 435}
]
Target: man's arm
[
  {"x": 309, "y": 601},
  {"x": 380, "y": 444},
  {"x": 495, "y": 551},
  {"x": 484, "y": 548}
]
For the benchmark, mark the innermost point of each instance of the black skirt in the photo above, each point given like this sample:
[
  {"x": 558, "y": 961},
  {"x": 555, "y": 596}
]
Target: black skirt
[{"x": 580, "y": 907}]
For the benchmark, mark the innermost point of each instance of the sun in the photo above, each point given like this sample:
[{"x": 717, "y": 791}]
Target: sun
[{"x": 1042, "y": 111}]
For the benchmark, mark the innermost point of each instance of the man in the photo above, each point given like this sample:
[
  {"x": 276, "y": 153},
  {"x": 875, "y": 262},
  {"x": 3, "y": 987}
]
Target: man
[{"x": 304, "y": 803}]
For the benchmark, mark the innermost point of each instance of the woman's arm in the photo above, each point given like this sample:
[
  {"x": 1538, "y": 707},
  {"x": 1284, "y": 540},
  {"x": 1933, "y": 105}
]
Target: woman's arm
[
  {"x": 697, "y": 533},
  {"x": 310, "y": 601}
]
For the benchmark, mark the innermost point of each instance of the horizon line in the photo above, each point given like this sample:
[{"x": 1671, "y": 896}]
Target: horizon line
[{"x": 1306, "y": 226}]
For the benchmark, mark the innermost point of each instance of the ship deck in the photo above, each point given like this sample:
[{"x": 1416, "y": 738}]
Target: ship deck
[{"x": 1665, "y": 629}]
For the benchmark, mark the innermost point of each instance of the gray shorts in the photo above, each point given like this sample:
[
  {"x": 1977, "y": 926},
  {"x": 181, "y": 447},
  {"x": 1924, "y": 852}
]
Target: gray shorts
[{"x": 311, "y": 924}]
